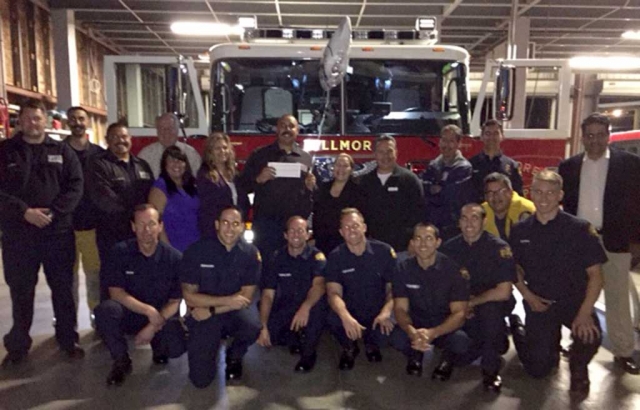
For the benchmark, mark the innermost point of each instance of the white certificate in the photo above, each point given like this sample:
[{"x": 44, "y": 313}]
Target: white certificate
[{"x": 286, "y": 169}]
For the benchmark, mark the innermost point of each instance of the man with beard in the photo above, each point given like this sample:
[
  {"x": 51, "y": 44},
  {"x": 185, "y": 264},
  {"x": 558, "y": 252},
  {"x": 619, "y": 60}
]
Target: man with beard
[
  {"x": 503, "y": 206},
  {"x": 219, "y": 277},
  {"x": 277, "y": 198},
  {"x": 40, "y": 187},
  {"x": 168, "y": 128},
  {"x": 117, "y": 181},
  {"x": 292, "y": 307},
  {"x": 85, "y": 215}
]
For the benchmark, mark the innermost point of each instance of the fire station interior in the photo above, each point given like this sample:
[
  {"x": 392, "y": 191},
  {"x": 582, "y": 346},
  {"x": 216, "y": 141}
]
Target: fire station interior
[{"x": 58, "y": 51}]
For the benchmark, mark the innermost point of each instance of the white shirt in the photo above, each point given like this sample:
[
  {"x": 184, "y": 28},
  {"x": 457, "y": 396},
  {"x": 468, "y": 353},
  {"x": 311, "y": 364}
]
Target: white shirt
[
  {"x": 593, "y": 178},
  {"x": 152, "y": 153},
  {"x": 384, "y": 177}
]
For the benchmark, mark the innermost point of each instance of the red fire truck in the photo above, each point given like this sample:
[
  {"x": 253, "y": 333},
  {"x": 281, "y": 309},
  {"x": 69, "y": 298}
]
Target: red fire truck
[{"x": 400, "y": 83}]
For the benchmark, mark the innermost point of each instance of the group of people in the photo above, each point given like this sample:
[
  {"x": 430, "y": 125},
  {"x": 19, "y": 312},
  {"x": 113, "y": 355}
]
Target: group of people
[{"x": 165, "y": 226}]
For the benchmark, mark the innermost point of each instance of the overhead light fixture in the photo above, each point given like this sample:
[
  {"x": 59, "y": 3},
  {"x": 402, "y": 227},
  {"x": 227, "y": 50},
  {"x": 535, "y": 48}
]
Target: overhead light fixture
[
  {"x": 425, "y": 23},
  {"x": 631, "y": 35},
  {"x": 605, "y": 63},
  {"x": 199, "y": 28},
  {"x": 248, "y": 22},
  {"x": 617, "y": 112}
]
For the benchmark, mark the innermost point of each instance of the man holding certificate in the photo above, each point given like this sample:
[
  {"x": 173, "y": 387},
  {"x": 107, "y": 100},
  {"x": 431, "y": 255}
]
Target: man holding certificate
[{"x": 280, "y": 176}]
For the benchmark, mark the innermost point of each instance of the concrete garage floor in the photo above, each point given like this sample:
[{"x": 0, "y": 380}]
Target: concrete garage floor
[{"x": 48, "y": 381}]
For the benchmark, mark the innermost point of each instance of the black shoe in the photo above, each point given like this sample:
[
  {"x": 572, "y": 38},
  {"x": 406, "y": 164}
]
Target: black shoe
[
  {"x": 373, "y": 354},
  {"x": 348, "y": 358},
  {"x": 492, "y": 382},
  {"x": 515, "y": 325},
  {"x": 160, "y": 359},
  {"x": 234, "y": 369},
  {"x": 627, "y": 364},
  {"x": 73, "y": 352},
  {"x": 13, "y": 359},
  {"x": 295, "y": 349},
  {"x": 580, "y": 383},
  {"x": 414, "y": 368},
  {"x": 306, "y": 364},
  {"x": 443, "y": 371},
  {"x": 119, "y": 371}
]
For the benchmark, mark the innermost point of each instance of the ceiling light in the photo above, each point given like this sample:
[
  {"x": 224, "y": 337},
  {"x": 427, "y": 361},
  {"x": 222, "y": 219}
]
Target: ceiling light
[
  {"x": 605, "y": 63},
  {"x": 616, "y": 113},
  {"x": 195, "y": 28},
  {"x": 631, "y": 35},
  {"x": 249, "y": 22}
]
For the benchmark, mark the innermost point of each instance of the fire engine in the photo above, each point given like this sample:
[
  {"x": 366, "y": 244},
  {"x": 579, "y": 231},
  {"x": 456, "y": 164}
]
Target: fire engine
[{"x": 398, "y": 82}]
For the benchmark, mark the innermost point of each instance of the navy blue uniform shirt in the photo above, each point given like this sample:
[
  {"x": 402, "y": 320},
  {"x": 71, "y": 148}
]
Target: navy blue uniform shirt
[
  {"x": 292, "y": 277},
  {"x": 150, "y": 279},
  {"x": 363, "y": 278},
  {"x": 488, "y": 260},
  {"x": 219, "y": 272},
  {"x": 483, "y": 166},
  {"x": 431, "y": 290},
  {"x": 555, "y": 256}
]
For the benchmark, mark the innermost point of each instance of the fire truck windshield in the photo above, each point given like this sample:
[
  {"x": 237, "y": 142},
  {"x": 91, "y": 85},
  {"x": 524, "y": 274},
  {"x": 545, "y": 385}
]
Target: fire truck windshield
[{"x": 411, "y": 97}]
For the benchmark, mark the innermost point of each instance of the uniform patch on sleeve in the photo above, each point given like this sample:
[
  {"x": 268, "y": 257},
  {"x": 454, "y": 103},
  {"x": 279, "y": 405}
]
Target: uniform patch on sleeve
[
  {"x": 258, "y": 256},
  {"x": 464, "y": 272},
  {"x": 393, "y": 254},
  {"x": 506, "y": 253},
  {"x": 593, "y": 231},
  {"x": 320, "y": 256}
]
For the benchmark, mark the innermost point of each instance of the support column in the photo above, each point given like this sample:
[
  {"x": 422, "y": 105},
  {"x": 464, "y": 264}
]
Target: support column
[
  {"x": 135, "y": 110},
  {"x": 523, "y": 25},
  {"x": 66, "y": 58}
]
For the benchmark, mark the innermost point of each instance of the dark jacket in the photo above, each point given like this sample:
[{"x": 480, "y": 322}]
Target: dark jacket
[
  {"x": 326, "y": 212},
  {"x": 621, "y": 213},
  {"x": 392, "y": 210},
  {"x": 115, "y": 188},
  {"x": 214, "y": 197},
  {"x": 85, "y": 216},
  {"x": 46, "y": 175},
  {"x": 280, "y": 198}
]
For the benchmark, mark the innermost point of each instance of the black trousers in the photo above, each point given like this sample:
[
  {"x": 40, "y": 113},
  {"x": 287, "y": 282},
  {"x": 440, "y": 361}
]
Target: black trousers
[
  {"x": 279, "y": 326},
  {"x": 114, "y": 321},
  {"x": 488, "y": 333},
  {"x": 22, "y": 258},
  {"x": 539, "y": 349},
  {"x": 205, "y": 336}
]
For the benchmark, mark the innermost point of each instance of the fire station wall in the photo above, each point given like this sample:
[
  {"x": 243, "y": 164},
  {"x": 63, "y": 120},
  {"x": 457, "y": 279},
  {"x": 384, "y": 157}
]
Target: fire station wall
[{"x": 90, "y": 61}]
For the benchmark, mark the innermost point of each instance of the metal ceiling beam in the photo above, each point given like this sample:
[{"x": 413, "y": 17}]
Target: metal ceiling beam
[
  {"x": 362, "y": 8},
  {"x": 142, "y": 21}
]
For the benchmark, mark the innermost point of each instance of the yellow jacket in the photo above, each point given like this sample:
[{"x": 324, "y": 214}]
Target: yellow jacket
[{"x": 520, "y": 208}]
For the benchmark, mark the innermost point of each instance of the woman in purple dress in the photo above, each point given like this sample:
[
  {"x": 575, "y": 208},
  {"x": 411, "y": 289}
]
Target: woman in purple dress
[
  {"x": 216, "y": 181},
  {"x": 175, "y": 195}
]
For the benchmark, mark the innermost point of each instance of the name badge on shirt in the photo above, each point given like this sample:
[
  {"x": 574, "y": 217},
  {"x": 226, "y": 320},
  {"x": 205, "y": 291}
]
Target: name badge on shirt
[
  {"x": 144, "y": 175},
  {"x": 348, "y": 270},
  {"x": 129, "y": 272},
  {"x": 392, "y": 189},
  {"x": 54, "y": 159},
  {"x": 204, "y": 265},
  {"x": 284, "y": 275},
  {"x": 525, "y": 241},
  {"x": 412, "y": 286}
]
